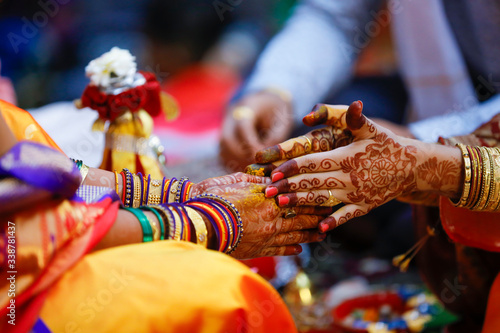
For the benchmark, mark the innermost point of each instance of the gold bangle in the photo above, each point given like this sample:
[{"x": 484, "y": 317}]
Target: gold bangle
[
  {"x": 477, "y": 168},
  {"x": 168, "y": 217},
  {"x": 199, "y": 226},
  {"x": 116, "y": 182},
  {"x": 155, "y": 190},
  {"x": 473, "y": 165},
  {"x": 173, "y": 191},
  {"x": 467, "y": 166},
  {"x": 177, "y": 223},
  {"x": 486, "y": 180},
  {"x": 136, "y": 202},
  {"x": 156, "y": 230},
  {"x": 492, "y": 178},
  {"x": 495, "y": 179}
]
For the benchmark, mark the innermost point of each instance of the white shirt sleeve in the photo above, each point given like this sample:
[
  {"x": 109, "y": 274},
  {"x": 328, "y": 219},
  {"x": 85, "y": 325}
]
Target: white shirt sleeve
[
  {"x": 457, "y": 122},
  {"x": 313, "y": 55}
]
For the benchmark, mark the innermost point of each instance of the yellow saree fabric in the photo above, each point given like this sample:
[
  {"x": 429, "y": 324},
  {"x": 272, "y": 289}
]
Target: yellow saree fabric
[
  {"x": 24, "y": 126},
  {"x": 166, "y": 286}
]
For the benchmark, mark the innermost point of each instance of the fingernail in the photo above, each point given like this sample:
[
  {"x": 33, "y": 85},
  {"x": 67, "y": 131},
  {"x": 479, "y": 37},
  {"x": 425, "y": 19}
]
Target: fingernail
[
  {"x": 298, "y": 249},
  {"x": 321, "y": 237},
  {"x": 271, "y": 191},
  {"x": 283, "y": 200},
  {"x": 323, "y": 227},
  {"x": 277, "y": 176}
]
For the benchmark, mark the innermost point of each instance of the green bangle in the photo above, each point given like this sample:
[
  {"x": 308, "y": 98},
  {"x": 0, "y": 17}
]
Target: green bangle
[
  {"x": 147, "y": 231},
  {"x": 160, "y": 220}
]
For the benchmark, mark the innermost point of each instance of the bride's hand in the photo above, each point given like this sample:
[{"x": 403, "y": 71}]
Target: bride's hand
[{"x": 266, "y": 230}]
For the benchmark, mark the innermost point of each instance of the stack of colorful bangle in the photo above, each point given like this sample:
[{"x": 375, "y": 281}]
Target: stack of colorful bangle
[
  {"x": 481, "y": 190},
  {"x": 141, "y": 190},
  {"x": 223, "y": 216},
  {"x": 184, "y": 222}
]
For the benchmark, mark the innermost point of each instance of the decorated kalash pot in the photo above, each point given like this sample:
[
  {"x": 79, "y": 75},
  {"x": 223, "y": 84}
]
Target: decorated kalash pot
[{"x": 126, "y": 100}]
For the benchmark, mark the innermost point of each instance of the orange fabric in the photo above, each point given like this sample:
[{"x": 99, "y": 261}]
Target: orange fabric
[
  {"x": 166, "y": 286},
  {"x": 24, "y": 126},
  {"x": 492, "y": 319},
  {"x": 470, "y": 228}
]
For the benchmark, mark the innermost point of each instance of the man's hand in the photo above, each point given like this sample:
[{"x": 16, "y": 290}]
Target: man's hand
[{"x": 257, "y": 121}]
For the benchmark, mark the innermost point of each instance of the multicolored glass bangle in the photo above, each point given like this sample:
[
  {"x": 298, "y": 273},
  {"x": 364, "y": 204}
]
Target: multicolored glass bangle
[
  {"x": 212, "y": 222},
  {"x": 147, "y": 231},
  {"x": 218, "y": 221},
  {"x": 235, "y": 211}
]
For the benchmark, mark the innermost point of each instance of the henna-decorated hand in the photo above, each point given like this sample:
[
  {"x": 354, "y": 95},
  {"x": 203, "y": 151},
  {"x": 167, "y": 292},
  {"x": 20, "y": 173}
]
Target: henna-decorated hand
[
  {"x": 266, "y": 231},
  {"x": 376, "y": 167},
  {"x": 233, "y": 178}
]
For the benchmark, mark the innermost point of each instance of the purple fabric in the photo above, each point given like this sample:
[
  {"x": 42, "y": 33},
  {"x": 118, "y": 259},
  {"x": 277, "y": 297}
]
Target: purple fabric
[
  {"x": 41, "y": 167},
  {"x": 90, "y": 194}
]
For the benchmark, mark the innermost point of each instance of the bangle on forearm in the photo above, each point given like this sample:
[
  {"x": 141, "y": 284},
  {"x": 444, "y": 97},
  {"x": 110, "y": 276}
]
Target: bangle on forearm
[
  {"x": 128, "y": 188},
  {"x": 160, "y": 220},
  {"x": 486, "y": 179},
  {"x": 155, "y": 191},
  {"x": 211, "y": 220},
  {"x": 225, "y": 219},
  {"x": 180, "y": 186},
  {"x": 137, "y": 186},
  {"x": 235, "y": 213},
  {"x": 467, "y": 181},
  {"x": 147, "y": 230},
  {"x": 117, "y": 190},
  {"x": 170, "y": 188},
  {"x": 481, "y": 190},
  {"x": 200, "y": 227},
  {"x": 217, "y": 221},
  {"x": 169, "y": 218},
  {"x": 186, "y": 224}
]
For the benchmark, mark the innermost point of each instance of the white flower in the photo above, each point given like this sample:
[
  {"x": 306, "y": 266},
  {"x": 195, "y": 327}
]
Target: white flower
[{"x": 117, "y": 66}]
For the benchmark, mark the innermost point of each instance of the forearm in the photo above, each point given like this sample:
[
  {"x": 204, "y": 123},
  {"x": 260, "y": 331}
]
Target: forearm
[
  {"x": 127, "y": 230},
  {"x": 439, "y": 169}
]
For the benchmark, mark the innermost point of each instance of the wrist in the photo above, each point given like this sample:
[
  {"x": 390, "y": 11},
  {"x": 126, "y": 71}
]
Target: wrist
[{"x": 439, "y": 169}]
